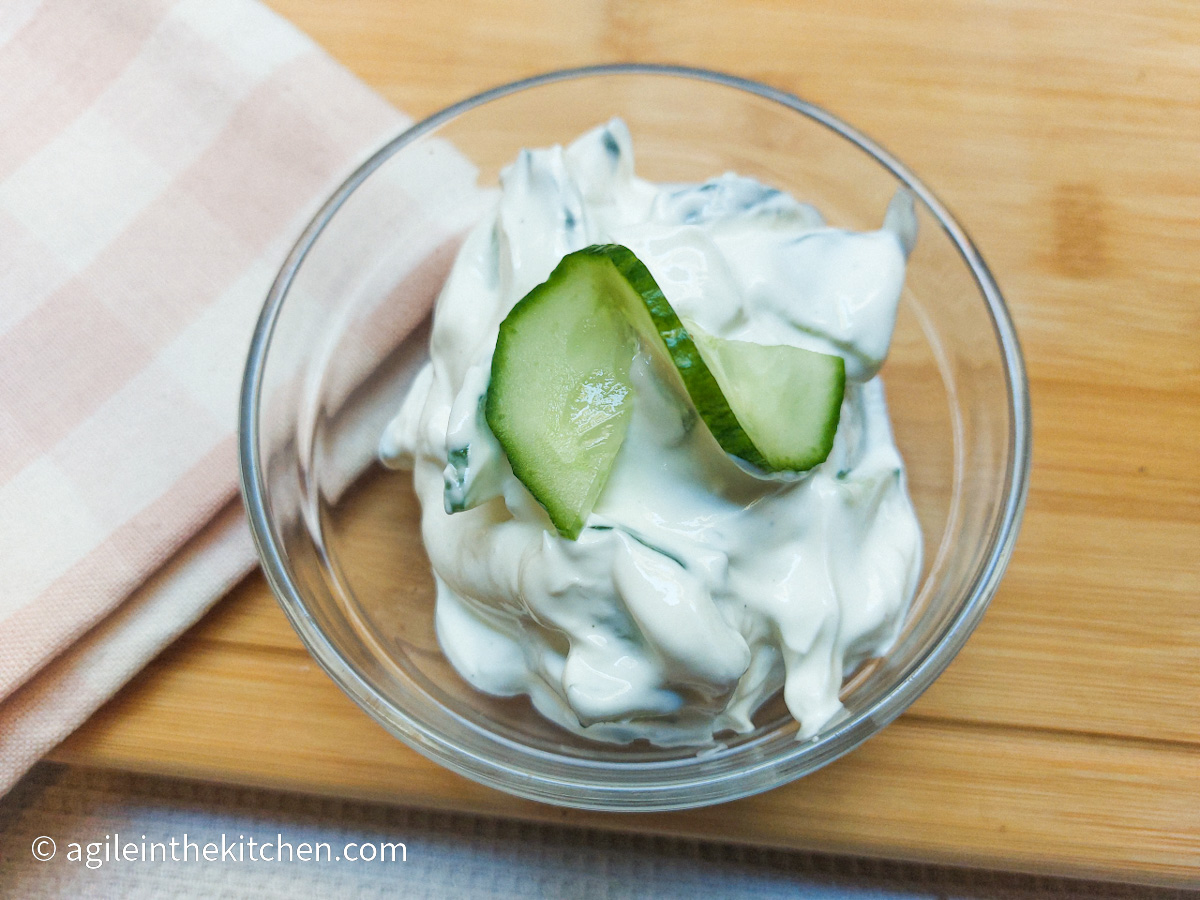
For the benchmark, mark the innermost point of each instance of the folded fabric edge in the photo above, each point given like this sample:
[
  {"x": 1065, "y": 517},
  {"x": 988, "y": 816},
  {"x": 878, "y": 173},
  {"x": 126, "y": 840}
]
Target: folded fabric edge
[
  {"x": 40, "y": 631},
  {"x": 43, "y": 711}
]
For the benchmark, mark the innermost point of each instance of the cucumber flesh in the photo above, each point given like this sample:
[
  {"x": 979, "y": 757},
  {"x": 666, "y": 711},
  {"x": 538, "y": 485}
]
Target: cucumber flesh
[
  {"x": 787, "y": 400},
  {"x": 559, "y": 398}
]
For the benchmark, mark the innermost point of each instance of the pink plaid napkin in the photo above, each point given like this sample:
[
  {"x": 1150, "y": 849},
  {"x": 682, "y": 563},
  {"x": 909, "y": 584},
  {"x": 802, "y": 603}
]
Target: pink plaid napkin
[{"x": 157, "y": 160}]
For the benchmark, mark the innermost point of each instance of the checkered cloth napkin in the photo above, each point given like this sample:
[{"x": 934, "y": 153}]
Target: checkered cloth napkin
[{"x": 157, "y": 160}]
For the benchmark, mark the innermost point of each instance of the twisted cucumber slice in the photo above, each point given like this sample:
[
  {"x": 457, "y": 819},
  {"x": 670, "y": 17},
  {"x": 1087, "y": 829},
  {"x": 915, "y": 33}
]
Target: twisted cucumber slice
[{"x": 559, "y": 397}]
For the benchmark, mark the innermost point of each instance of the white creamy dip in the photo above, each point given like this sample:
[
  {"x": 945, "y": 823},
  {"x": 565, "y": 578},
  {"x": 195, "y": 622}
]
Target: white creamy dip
[{"x": 697, "y": 590}]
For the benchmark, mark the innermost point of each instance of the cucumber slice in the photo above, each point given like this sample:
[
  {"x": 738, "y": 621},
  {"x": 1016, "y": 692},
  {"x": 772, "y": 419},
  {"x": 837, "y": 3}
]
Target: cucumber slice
[
  {"x": 559, "y": 396},
  {"x": 558, "y": 399},
  {"x": 786, "y": 399}
]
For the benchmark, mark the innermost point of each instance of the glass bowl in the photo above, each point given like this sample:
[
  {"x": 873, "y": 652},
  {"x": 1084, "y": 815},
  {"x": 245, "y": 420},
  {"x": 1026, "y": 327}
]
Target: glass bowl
[{"x": 345, "y": 328}]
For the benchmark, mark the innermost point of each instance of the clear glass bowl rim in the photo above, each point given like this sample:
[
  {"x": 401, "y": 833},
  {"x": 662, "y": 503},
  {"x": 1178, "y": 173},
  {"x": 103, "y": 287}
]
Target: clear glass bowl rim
[{"x": 592, "y": 789}]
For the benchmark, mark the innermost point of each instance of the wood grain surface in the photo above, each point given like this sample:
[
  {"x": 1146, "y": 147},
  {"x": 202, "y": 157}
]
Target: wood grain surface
[{"x": 1066, "y": 736}]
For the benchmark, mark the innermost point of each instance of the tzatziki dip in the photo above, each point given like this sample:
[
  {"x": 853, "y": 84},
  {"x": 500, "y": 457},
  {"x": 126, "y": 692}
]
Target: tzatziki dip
[{"x": 647, "y": 578}]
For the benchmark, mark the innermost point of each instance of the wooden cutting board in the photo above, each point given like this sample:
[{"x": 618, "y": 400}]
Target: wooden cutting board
[{"x": 1066, "y": 736}]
